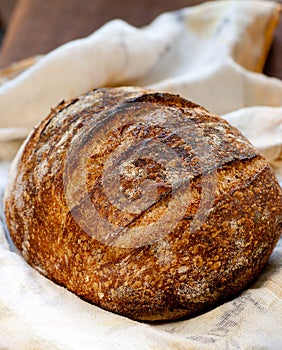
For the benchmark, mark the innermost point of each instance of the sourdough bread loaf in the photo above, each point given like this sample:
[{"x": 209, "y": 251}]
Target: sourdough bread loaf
[{"x": 143, "y": 203}]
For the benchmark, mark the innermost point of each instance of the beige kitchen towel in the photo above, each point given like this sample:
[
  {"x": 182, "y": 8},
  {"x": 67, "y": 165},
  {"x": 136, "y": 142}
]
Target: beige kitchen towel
[
  {"x": 209, "y": 53},
  {"x": 212, "y": 54}
]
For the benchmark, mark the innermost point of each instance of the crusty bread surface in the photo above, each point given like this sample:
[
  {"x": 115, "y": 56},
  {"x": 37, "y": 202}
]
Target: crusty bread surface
[{"x": 143, "y": 203}]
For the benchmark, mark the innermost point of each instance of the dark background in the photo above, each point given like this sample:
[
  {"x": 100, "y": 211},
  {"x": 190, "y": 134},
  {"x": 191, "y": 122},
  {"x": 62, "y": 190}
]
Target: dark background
[{"x": 32, "y": 27}]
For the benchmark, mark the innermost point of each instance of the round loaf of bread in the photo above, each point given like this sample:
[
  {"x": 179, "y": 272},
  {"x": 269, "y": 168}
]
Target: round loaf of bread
[{"x": 143, "y": 203}]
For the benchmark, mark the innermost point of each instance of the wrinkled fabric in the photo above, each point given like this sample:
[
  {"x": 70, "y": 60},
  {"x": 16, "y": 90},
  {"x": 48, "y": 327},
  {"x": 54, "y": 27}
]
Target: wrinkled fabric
[{"x": 212, "y": 54}]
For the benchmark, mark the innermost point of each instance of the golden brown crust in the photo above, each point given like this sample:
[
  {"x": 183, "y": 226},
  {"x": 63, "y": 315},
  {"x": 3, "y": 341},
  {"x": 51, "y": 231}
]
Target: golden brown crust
[{"x": 143, "y": 203}]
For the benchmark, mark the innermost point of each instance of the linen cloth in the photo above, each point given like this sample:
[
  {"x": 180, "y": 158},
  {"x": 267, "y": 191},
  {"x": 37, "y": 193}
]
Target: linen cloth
[{"x": 211, "y": 54}]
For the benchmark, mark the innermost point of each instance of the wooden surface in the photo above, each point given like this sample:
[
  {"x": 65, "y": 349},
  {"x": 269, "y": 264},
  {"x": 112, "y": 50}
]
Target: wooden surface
[
  {"x": 273, "y": 65},
  {"x": 37, "y": 26},
  {"x": 6, "y": 11}
]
